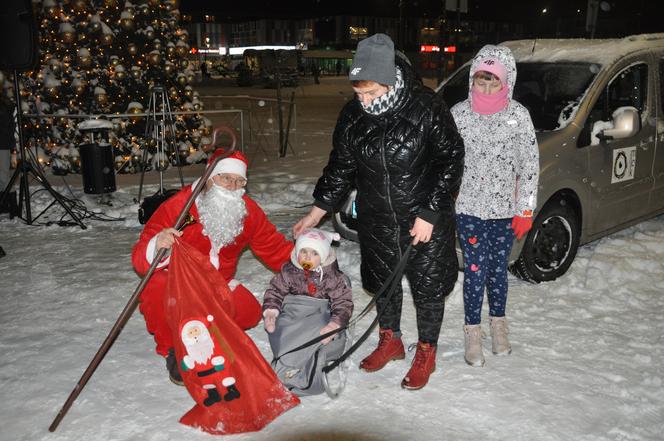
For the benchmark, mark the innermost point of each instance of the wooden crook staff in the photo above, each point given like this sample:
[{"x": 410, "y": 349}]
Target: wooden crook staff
[{"x": 133, "y": 301}]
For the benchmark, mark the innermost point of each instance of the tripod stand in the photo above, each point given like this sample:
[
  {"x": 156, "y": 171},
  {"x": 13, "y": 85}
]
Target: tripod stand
[
  {"x": 27, "y": 166},
  {"x": 160, "y": 131}
]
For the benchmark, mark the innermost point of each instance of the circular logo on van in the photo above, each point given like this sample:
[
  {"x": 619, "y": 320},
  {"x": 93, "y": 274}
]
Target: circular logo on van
[{"x": 620, "y": 166}]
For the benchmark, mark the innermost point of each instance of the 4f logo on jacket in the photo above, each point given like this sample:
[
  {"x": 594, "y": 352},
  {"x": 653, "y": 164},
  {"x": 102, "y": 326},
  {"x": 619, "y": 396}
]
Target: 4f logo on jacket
[{"x": 355, "y": 71}]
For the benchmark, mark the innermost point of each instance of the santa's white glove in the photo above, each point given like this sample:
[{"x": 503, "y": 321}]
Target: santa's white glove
[
  {"x": 270, "y": 319},
  {"x": 188, "y": 361},
  {"x": 329, "y": 328},
  {"x": 216, "y": 361}
]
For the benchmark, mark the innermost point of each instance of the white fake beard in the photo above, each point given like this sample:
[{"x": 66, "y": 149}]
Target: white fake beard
[
  {"x": 201, "y": 350},
  {"x": 222, "y": 214}
]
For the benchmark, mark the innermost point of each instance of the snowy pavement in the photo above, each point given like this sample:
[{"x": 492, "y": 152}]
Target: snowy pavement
[{"x": 587, "y": 361}]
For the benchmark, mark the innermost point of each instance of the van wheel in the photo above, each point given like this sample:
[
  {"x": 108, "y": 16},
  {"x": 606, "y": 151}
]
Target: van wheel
[{"x": 551, "y": 244}]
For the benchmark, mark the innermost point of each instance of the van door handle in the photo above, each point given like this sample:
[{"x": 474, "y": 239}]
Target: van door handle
[{"x": 584, "y": 180}]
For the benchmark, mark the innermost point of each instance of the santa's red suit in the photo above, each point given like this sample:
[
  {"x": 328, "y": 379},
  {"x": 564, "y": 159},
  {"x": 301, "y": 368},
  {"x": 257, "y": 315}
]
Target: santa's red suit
[{"x": 258, "y": 233}]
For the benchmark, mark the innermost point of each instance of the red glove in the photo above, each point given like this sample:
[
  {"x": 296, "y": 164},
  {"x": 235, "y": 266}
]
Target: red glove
[{"x": 521, "y": 225}]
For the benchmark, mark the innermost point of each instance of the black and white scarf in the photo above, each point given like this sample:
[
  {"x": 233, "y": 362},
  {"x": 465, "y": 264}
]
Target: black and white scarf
[{"x": 385, "y": 102}]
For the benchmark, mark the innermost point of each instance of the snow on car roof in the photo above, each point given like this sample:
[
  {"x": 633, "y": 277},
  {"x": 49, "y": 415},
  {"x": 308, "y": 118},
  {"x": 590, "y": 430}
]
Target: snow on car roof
[{"x": 601, "y": 51}]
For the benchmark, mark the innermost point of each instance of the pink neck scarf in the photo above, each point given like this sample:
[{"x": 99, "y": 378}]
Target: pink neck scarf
[{"x": 487, "y": 104}]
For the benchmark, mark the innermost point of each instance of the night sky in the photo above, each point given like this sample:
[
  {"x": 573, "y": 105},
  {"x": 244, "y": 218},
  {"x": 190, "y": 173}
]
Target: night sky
[{"x": 646, "y": 14}]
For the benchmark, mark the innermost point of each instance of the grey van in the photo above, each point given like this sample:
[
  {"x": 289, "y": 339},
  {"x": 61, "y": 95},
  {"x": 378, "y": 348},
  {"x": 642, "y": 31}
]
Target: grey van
[{"x": 597, "y": 106}]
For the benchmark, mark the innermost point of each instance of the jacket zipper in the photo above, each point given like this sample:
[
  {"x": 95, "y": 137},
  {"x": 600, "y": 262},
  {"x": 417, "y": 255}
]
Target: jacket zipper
[{"x": 387, "y": 192}]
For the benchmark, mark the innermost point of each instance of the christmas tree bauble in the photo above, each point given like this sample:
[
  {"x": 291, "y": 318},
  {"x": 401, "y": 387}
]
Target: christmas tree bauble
[
  {"x": 119, "y": 72},
  {"x": 84, "y": 61},
  {"x": 154, "y": 58},
  {"x": 56, "y": 67},
  {"x": 67, "y": 33},
  {"x": 53, "y": 92},
  {"x": 53, "y": 12},
  {"x": 107, "y": 39},
  {"x": 132, "y": 49},
  {"x": 184, "y": 63},
  {"x": 161, "y": 162},
  {"x": 95, "y": 26},
  {"x": 78, "y": 5},
  {"x": 136, "y": 72},
  {"x": 135, "y": 108},
  {"x": 127, "y": 20},
  {"x": 182, "y": 49},
  {"x": 100, "y": 96}
]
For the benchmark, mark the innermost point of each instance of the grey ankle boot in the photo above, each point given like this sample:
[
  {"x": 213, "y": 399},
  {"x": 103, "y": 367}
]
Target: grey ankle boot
[
  {"x": 500, "y": 345},
  {"x": 473, "y": 339}
]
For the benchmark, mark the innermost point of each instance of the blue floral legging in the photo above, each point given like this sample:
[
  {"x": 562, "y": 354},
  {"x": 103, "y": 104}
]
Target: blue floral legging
[{"x": 486, "y": 246}]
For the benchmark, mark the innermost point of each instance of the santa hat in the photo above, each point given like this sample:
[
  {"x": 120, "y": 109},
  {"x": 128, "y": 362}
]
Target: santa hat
[
  {"x": 235, "y": 163},
  {"x": 494, "y": 66},
  {"x": 317, "y": 240}
]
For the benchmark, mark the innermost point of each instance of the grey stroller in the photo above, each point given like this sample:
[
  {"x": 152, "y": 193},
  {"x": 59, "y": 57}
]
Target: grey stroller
[{"x": 301, "y": 370}]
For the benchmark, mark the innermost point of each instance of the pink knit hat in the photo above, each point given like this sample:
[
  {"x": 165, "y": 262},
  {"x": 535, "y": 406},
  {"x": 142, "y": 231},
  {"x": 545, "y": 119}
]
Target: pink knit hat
[{"x": 494, "y": 66}]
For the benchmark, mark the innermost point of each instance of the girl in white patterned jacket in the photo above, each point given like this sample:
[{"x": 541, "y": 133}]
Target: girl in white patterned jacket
[{"x": 498, "y": 192}]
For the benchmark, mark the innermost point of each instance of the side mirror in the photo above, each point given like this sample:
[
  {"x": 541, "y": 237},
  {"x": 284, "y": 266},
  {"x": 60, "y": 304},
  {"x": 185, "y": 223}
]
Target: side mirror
[{"x": 626, "y": 123}]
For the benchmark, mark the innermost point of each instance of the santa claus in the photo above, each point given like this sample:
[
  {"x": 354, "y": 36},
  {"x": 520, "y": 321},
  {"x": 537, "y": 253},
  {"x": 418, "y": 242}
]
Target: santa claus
[
  {"x": 204, "y": 357},
  {"x": 223, "y": 222}
]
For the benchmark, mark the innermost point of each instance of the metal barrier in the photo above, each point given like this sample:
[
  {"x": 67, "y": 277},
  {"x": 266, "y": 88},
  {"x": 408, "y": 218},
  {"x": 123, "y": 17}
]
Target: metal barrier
[{"x": 262, "y": 114}]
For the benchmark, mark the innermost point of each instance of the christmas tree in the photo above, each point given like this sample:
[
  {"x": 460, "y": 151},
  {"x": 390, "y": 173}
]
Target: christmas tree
[{"x": 104, "y": 57}]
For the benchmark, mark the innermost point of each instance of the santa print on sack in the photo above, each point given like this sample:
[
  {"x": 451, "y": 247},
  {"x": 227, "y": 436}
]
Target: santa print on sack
[{"x": 208, "y": 361}]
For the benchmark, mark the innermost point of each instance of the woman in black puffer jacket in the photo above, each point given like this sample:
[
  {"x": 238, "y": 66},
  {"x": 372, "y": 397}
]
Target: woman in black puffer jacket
[{"x": 398, "y": 145}]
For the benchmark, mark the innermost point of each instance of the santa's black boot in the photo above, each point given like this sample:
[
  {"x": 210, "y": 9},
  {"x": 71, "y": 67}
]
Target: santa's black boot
[
  {"x": 231, "y": 391},
  {"x": 172, "y": 367},
  {"x": 213, "y": 397}
]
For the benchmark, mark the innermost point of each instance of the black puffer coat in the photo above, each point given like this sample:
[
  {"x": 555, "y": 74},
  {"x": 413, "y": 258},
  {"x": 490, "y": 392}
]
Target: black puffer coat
[{"x": 405, "y": 163}]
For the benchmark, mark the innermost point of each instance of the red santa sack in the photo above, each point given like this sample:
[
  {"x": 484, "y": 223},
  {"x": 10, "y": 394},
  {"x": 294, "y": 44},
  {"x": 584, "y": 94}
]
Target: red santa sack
[{"x": 234, "y": 387}]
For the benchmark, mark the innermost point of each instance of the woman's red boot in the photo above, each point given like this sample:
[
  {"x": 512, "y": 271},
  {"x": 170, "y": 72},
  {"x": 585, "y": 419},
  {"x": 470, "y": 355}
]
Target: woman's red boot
[
  {"x": 423, "y": 366},
  {"x": 389, "y": 348}
]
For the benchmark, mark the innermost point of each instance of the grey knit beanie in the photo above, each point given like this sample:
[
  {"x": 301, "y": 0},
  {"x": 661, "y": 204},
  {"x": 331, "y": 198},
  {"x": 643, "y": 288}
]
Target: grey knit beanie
[{"x": 374, "y": 61}]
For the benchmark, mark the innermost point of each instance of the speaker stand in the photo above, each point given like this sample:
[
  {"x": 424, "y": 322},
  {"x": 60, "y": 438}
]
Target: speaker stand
[
  {"x": 160, "y": 128},
  {"x": 25, "y": 167}
]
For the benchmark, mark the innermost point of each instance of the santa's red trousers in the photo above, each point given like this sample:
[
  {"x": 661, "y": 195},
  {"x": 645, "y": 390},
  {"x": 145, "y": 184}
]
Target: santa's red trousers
[{"x": 247, "y": 310}]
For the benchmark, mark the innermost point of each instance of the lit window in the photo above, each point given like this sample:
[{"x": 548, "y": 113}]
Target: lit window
[{"x": 358, "y": 33}]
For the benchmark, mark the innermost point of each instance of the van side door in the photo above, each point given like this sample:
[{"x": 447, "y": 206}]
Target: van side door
[
  {"x": 657, "y": 197},
  {"x": 620, "y": 167}
]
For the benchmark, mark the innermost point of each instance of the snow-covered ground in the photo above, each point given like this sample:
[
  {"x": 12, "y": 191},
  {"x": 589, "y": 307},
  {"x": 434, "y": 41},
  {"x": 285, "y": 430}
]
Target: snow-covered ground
[{"x": 587, "y": 361}]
